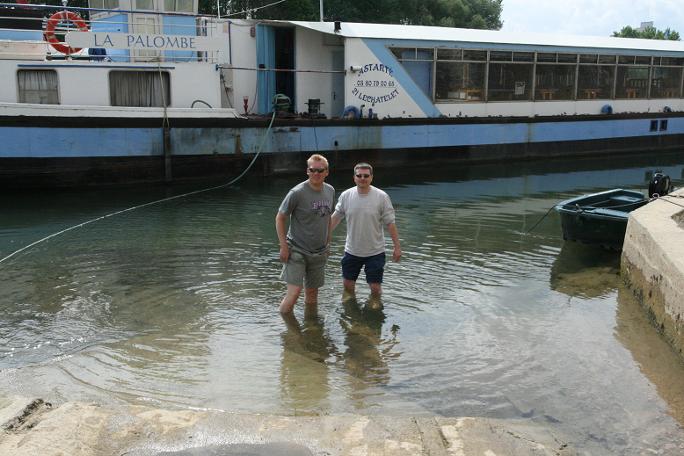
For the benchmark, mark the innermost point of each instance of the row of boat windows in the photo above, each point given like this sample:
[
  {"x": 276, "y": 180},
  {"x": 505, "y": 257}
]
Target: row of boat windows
[
  {"x": 126, "y": 88},
  {"x": 476, "y": 75},
  {"x": 184, "y": 6}
]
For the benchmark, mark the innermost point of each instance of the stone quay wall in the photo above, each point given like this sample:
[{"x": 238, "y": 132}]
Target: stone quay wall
[{"x": 653, "y": 263}]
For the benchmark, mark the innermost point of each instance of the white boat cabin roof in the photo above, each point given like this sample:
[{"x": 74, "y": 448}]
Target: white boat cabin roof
[{"x": 490, "y": 37}]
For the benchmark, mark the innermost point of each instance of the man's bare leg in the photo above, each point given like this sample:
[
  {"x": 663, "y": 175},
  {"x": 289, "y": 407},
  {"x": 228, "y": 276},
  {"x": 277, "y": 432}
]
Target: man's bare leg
[
  {"x": 290, "y": 299},
  {"x": 349, "y": 286},
  {"x": 310, "y": 296},
  {"x": 374, "y": 302}
]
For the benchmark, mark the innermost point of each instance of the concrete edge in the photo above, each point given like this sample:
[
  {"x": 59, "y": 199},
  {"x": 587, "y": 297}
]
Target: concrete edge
[
  {"x": 652, "y": 264},
  {"x": 80, "y": 429}
]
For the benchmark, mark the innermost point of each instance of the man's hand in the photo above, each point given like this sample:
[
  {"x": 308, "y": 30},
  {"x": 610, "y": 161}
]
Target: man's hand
[
  {"x": 396, "y": 255},
  {"x": 284, "y": 253}
]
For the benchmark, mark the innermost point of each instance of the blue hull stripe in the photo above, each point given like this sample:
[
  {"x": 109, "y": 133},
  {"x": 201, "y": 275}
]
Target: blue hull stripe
[{"x": 22, "y": 142}]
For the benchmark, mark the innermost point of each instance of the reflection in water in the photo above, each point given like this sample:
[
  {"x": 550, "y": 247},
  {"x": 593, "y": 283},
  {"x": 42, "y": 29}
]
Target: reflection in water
[
  {"x": 177, "y": 304},
  {"x": 656, "y": 359},
  {"x": 585, "y": 271},
  {"x": 304, "y": 370},
  {"x": 367, "y": 354}
]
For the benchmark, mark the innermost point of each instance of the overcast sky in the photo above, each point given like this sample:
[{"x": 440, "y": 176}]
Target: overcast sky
[{"x": 590, "y": 17}]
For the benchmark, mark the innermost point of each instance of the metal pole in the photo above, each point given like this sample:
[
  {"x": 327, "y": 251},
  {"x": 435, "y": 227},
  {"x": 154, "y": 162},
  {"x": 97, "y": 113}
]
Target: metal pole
[{"x": 321, "y": 9}]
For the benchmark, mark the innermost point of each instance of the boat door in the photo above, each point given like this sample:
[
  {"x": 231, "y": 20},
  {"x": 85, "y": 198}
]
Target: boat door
[
  {"x": 275, "y": 51},
  {"x": 265, "y": 61},
  {"x": 337, "y": 96},
  {"x": 145, "y": 24}
]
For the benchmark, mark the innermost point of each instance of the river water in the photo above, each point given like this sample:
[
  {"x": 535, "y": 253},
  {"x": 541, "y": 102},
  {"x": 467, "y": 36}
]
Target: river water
[{"x": 175, "y": 305}]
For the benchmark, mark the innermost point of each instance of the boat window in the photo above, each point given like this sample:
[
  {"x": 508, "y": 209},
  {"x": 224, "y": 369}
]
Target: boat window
[
  {"x": 38, "y": 86},
  {"x": 460, "y": 81},
  {"x": 546, "y": 57},
  {"x": 139, "y": 88},
  {"x": 643, "y": 60},
  {"x": 632, "y": 82},
  {"x": 555, "y": 82},
  {"x": 588, "y": 58},
  {"x": 449, "y": 54},
  {"x": 510, "y": 81},
  {"x": 567, "y": 58},
  {"x": 104, "y": 4},
  {"x": 672, "y": 61},
  {"x": 144, "y": 4},
  {"x": 478, "y": 56},
  {"x": 595, "y": 81},
  {"x": 523, "y": 56},
  {"x": 501, "y": 56},
  {"x": 425, "y": 54},
  {"x": 404, "y": 53},
  {"x": 626, "y": 59},
  {"x": 665, "y": 82},
  {"x": 185, "y": 6},
  {"x": 607, "y": 59}
]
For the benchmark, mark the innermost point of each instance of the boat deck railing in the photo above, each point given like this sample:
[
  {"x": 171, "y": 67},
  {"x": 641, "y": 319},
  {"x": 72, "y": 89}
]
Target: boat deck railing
[{"x": 22, "y": 34}]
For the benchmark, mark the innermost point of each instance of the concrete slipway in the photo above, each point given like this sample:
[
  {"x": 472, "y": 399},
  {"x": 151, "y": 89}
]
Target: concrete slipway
[
  {"x": 653, "y": 263},
  {"x": 33, "y": 427}
]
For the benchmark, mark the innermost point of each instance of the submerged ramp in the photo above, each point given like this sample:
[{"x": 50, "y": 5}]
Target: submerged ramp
[
  {"x": 80, "y": 429},
  {"x": 653, "y": 263}
]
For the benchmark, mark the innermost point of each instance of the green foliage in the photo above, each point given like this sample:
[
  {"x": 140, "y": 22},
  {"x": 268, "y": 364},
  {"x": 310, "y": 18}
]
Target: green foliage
[
  {"x": 649, "y": 33},
  {"x": 480, "y": 14}
]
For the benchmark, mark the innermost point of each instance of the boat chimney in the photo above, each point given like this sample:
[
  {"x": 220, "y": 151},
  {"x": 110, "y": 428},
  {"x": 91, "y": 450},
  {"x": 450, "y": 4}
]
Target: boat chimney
[{"x": 338, "y": 26}]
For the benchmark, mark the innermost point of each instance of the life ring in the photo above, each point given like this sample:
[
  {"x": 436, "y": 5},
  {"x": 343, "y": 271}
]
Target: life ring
[{"x": 54, "y": 21}]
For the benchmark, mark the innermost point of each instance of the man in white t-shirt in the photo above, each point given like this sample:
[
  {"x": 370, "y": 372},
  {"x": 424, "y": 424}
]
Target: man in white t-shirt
[{"x": 367, "y": 210}]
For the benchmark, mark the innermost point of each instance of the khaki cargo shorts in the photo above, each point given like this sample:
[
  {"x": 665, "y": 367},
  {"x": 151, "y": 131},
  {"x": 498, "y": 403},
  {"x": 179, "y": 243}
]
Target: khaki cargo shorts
[{"x": 304, "y": 269}]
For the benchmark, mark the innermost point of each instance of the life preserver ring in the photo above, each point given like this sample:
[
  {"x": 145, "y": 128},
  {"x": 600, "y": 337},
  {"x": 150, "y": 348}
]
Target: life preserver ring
[{"x": 54, "y": 21}]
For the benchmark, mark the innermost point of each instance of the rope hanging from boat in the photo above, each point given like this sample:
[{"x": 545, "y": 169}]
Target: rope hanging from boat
[{"x": 130, "y": 209}]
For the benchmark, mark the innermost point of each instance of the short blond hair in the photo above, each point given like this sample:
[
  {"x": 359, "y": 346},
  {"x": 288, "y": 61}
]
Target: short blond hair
[
  {"x": 363, "y": 165},
  {"x": 317, "y": 158}
]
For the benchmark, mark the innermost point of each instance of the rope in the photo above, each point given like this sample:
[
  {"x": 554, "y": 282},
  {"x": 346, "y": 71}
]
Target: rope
[
  {"x": 665, "y": 198},
  {"x": 540, "y": 220},
  {"x": 195, "y": 192}
]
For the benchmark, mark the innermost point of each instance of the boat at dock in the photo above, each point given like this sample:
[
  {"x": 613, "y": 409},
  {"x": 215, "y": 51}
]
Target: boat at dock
[
  {"x": 100, "y": 95},
  {"x": 601, "y": 218}
]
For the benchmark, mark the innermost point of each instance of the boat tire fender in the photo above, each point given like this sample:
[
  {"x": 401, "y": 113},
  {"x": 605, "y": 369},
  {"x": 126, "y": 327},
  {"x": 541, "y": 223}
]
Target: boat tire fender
[
  {"x": 351, "y": 112},
  {"x": 54, "y": 21}
]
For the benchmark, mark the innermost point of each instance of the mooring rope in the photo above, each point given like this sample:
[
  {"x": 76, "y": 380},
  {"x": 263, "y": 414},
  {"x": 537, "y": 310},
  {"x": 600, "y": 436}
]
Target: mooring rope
[{"x": 163, "y": 200}]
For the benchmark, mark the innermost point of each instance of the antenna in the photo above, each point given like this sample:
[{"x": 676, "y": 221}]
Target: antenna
[{"x": 321, "y": 9}]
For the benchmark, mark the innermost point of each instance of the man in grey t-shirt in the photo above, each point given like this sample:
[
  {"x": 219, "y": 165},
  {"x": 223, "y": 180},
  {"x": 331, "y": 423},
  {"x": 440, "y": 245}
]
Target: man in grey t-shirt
[
  {"x": 304, "y": 249},
  {"x": 367, "y": 210}
]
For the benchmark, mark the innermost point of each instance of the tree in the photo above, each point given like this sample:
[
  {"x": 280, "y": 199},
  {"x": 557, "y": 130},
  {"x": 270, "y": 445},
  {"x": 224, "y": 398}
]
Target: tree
[
  {"x": 480, "y": 14},
  {"x": 649, "y": 33}
]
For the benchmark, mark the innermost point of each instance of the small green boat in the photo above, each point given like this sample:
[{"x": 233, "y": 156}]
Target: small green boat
[{"x": 599, "y": 218}]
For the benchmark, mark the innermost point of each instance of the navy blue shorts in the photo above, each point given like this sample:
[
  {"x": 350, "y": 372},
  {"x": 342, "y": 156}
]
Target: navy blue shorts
[{"x": 374, "y": 266}]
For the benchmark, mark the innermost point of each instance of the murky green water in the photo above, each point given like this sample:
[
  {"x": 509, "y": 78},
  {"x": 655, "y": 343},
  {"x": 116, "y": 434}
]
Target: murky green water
[{"x": 175, "y": 305}]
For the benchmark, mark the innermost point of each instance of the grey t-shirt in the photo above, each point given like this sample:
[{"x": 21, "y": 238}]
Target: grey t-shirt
[
  {"x": 309, "y": 212},
  {"x": 366, "y": 216}
]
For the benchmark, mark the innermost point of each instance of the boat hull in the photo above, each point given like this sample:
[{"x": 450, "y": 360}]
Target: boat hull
[
  {"x": 64, "y": 151},
  {"x": 599, "y": 218}
]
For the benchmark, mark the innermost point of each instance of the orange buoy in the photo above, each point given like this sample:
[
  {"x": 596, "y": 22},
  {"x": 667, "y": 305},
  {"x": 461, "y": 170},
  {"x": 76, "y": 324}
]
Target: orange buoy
[{"x": 54, "y": 21}]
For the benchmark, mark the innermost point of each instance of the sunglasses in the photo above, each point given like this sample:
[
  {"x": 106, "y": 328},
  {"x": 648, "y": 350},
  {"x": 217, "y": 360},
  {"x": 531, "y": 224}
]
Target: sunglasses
[
  {"x": 365, "y": 176},
  {"x": 318, "y": 170}
]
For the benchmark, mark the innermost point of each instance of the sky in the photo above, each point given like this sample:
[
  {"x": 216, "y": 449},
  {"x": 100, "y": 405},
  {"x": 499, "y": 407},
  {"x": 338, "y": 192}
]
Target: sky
[{"x": 590, "y": 17}]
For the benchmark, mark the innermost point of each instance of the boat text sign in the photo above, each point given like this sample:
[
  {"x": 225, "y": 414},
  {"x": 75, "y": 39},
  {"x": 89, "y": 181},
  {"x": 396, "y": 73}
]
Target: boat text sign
[
  {"x": 375, "y": 84},
  {"x": 142, "y": 41}
]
